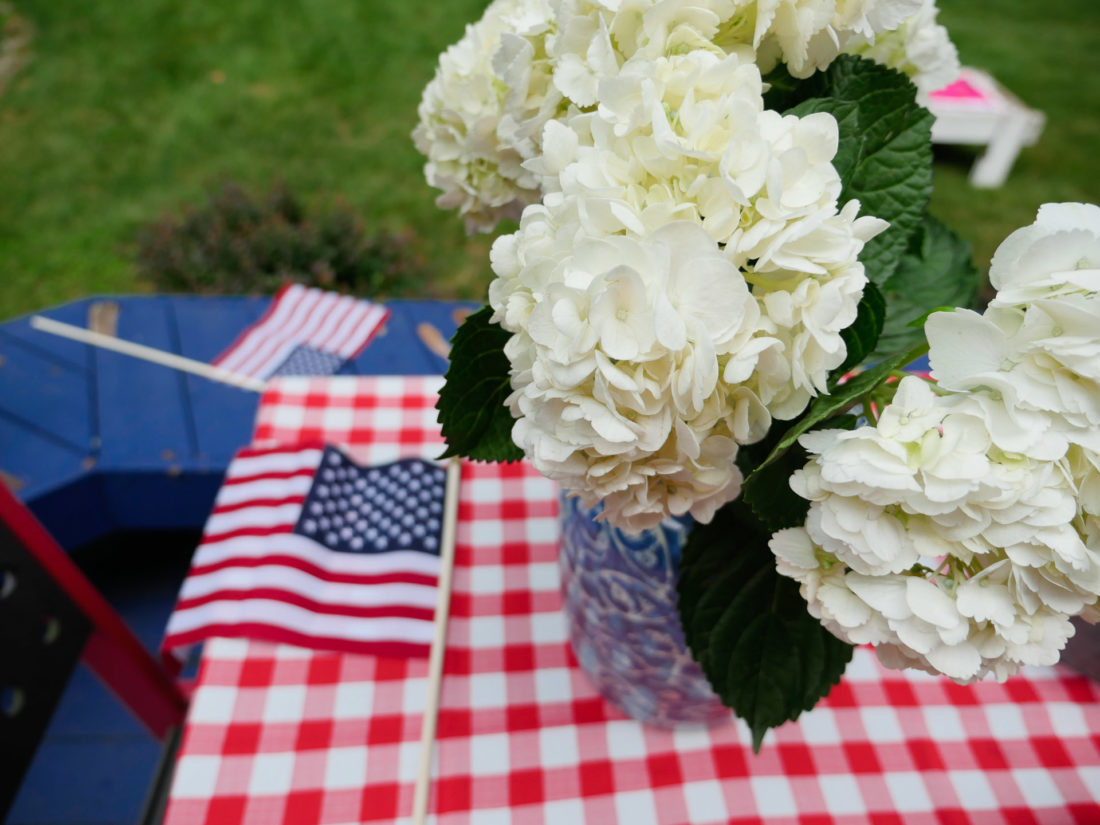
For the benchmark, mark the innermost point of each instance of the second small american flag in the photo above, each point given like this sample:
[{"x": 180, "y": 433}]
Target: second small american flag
[
  {"x": 306, "y": 547},
  {"x": 305, "y": 331}
]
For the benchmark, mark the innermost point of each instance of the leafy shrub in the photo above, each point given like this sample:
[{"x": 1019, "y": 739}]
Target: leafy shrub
[{"x": 238, "y": 243}]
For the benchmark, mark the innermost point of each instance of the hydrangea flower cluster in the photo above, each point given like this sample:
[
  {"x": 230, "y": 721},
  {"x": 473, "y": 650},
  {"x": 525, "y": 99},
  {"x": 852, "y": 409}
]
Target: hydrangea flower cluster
[
  {"x": 530, "y": 62},
  {"x": 617, "y": 365},
  {"x": 641, "y": 128},
  {"x": 687, "y": 277},
  {"x": 481, "y": 114},
  {"x": 1033, "y": 353},
  {"x": 920, "y": 47},
  {"x": 961, "y": 532}
]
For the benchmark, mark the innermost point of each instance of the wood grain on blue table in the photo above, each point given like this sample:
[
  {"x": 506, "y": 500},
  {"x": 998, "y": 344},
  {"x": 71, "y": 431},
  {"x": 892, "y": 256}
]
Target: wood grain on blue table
[
  {"x": 223, "y": 415},
  {"x": 399, "y": 351},
  {"x": 145, "y": 418},
  {"x": 141, "y": 445},
  {"x": 48, "y": 428}
]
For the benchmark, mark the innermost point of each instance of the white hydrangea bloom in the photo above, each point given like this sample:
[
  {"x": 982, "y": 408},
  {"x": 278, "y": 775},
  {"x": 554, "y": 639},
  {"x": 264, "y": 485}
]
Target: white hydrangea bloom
[
  {"x": 530, "y": 62},
  {"x": 808, "y": 310},
  {"x": 480, "y": 116},
  {"x": 687, "y": 138},
  {"x": 926, "y": 538},
  {"x": 967, "y": 631},
  {"x": 1085, "y": 470},
  {"x": 919, "y": 47},
  {"x": 617, "y": 352},
  {"x": 807, "y": 35},
  {"x": 596, "y": 37},
  {"x": 868, "y": 17},
  {"x": 1058, "y": 255},
  {"x": 1034, "y": 354},
  {"x": 677, "y": 141}
]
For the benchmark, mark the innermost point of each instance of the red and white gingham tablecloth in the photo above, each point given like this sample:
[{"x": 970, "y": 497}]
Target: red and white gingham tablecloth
[{"x": 279, "y": 734}]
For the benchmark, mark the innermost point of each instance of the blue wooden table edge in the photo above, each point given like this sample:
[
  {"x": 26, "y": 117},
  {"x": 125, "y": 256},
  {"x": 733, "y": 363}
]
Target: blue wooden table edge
[{"x": 96, "y": 442}]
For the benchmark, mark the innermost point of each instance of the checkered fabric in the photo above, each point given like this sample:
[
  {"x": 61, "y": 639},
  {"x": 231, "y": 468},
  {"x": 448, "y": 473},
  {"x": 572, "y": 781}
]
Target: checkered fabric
[{"x": 279, "y": 734}]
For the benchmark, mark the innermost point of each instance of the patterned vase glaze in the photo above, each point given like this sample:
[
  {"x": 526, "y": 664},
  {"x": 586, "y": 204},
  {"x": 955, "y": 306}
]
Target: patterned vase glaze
[{"x": 620, "y": 603}]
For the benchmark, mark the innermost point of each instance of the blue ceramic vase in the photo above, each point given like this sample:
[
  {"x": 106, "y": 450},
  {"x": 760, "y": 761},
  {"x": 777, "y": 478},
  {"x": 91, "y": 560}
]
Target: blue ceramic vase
[{"x": 619, "y": 594}]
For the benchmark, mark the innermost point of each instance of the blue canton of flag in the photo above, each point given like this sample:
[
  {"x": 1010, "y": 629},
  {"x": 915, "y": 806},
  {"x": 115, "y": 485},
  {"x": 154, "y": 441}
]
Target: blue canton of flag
[
  {"x": 376, "y": 509},
  {"x": 305, "y": 360}
]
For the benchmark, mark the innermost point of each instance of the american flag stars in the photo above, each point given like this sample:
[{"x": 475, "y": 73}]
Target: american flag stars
[
  {"x": 307, "y": 547},
  {"x": 375, "y": 509}
]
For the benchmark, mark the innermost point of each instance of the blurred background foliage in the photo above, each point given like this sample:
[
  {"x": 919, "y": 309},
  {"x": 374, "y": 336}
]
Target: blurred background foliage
[
  {"x": 237, "y": 242},
  {"x": 119, "y": 121}
]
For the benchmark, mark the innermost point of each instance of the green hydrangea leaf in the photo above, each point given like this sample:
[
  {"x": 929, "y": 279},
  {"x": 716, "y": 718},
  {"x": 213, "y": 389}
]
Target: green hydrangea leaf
[
  {"x": 764, "y": 654},
  {"x": 784, "y": 90},
  {"x": 476, "y": 424},
  {"x": 713, "y": 581},
  {"x": 863, "y": 335},
  {"x": 885, "y": 153},
  {"x": 937, "y": 270},
  {"x": 839, "y": 399},
  {"x": 767, "y": 490}
]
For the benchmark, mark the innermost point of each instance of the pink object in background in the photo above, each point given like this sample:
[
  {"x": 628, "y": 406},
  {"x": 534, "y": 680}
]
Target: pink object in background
[
  {"x": 961, "y": 89},
  {"x": 977, "y": 110}
]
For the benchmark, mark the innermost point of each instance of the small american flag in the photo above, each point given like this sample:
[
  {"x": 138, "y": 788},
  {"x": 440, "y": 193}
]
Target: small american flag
[
  {"x": 306, "y": 547},
  {"x": 305, "y": 331}
]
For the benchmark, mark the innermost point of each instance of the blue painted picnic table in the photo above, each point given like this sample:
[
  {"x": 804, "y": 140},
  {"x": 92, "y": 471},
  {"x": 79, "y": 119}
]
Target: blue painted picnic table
[{"x": 97, "y": 442}]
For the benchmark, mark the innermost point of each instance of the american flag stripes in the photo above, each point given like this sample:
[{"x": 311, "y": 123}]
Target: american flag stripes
[
  {"x": 305, "y": 547},
  {"x": 305, "y": 331}
]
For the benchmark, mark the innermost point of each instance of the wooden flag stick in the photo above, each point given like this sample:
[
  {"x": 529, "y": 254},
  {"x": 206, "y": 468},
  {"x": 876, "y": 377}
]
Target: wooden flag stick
[
  {"x": 156, "y": 356},
  {"x": 439, "y": 643}
]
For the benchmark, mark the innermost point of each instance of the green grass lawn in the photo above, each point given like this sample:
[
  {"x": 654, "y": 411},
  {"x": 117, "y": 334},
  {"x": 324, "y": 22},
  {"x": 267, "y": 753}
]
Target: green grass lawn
[
  {"x": 126, "y": 111},
  {"x": 1049, "y": 57}
]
